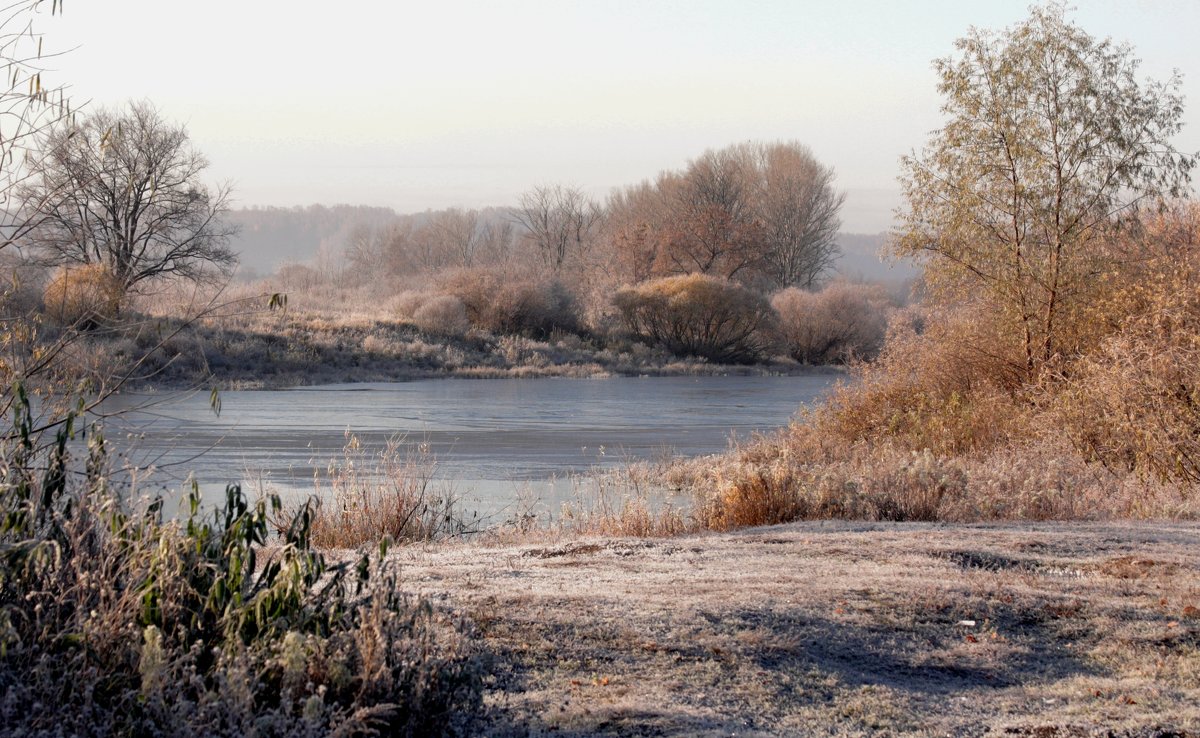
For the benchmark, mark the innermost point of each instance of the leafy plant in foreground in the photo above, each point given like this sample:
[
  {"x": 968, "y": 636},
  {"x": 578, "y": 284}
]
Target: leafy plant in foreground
[{"x": 113, "y": 620}]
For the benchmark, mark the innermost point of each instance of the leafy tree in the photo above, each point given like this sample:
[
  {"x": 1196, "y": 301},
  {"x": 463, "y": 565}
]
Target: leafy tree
[
  {"x": 1051, "y": 142},
  {"x": 123, "y": 189}
]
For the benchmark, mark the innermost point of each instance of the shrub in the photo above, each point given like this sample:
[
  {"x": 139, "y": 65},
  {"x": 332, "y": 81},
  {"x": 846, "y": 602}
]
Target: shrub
[
  {"x": 944, "y": 381},
  {"x": 699, "y": 315},
  {"x": 844, "y": 321},
  {"x": 115, "y": 622},
  {"x": 443, "y": 314},
  {"x": 501, "y": 303},
  {"x": 405, "y": 304},
  {"x": 84, "y": 296},
  {"x": 1133, "y": 403},
  {"x": 298, "y": 277}
]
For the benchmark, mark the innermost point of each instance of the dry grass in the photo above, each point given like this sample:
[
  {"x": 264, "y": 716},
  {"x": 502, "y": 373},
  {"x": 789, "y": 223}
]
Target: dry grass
[
  {"x": 392, "y": 495},
  {"x": 837, "y": 629},
  {"x": 86, "y": 295}
]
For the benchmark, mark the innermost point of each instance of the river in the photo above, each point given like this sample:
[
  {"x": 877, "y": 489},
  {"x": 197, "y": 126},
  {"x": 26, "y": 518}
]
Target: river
[{"x": 493, "y": 439}]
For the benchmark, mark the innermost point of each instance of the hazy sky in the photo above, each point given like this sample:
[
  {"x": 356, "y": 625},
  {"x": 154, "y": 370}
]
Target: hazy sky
[{"x": 427, "y": 105}]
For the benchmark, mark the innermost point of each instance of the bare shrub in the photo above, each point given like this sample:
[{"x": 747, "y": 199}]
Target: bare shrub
[
  {"x": 502, "y": 303},
  {"x": 405, "y": 304},
  {"x": 443, "y": 314},
  {"x": 699, "y": 315},
  {"x": 85, "y": 296},
  {"x": 842, "y": 322},
  {"x": 298, "y": 277}
]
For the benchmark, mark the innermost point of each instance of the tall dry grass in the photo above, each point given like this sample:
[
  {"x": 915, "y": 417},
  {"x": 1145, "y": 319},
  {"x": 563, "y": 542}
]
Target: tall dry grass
[
  {"x": 84, "y": 296},
  {"x": 390, "y": 494}
]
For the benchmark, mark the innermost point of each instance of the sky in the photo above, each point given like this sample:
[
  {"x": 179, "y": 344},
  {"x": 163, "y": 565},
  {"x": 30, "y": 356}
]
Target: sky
[{"x": 419, "y": 105}]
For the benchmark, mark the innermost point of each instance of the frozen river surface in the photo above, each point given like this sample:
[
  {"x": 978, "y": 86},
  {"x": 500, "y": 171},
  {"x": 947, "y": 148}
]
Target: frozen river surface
[{"x": 493, "y": 438}]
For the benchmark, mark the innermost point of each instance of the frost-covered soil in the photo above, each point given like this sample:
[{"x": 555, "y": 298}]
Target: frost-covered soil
[{"x": 837, "y": 629}]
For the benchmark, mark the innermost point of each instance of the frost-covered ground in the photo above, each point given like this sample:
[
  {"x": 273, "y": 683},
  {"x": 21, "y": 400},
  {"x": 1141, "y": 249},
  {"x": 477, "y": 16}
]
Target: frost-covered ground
[{"x": 837, "y": 629}]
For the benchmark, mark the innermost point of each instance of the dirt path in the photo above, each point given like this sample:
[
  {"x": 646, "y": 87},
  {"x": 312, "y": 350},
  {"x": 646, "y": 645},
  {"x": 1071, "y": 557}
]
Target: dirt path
[{"x": 838, "y": 629}]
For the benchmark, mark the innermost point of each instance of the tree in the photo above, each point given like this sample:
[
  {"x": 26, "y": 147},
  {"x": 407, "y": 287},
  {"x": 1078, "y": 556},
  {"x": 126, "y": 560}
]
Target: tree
[
  {"x": 797, "y": 209},
  {"x": 711, "y": 228},
  {"x": 1051, "y": 142},
  {"x": 558, "y": 220},
  {"x": 456, "y": 233},
  {"x": 123, "y": 189},
  {"x": 764, "y": 214}
]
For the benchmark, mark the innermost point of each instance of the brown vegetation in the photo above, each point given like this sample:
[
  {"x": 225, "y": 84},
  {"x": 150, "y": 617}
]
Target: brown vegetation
[
  {"x": 764, "y": 214},
  {"x": 501, "y": 302},
  {"x": 699, "y": 315},
  {"x": 840, "y": 323},
  {"x": 85, "y": 296},
  {"x": 943, "y": 427},
  {"x": 391, "y": 496}
]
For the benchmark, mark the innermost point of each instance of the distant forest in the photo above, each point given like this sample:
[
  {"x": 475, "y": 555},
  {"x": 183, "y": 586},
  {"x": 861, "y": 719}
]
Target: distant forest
[{"x": 271, "y": 237}]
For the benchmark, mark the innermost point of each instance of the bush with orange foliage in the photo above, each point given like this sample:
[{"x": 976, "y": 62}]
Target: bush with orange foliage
[
  {"x": 945, "y": 381},
  {"x": 699, "y": 315},
  {"x": 1134, "y": 402},
  {"x": 84, "y": 296}
]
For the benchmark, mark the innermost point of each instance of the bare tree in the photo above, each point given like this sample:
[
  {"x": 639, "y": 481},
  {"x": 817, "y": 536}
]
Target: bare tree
[
  {"x": 711, "y": 227},
  {"x": 558, "y": 220},
  {"x": 765, "y": 214},
  {"x": 796, "y": 208},
  {"x": 366, "y": 252},
  {"x": 456, "y": 234},
  {"x": 496, "y": 240},
  {"x": 122, "y": 188}
]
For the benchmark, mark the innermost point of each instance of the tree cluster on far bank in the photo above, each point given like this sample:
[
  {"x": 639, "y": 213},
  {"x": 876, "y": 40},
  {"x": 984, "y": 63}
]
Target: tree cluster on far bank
[{"x": 759, "y": 217}]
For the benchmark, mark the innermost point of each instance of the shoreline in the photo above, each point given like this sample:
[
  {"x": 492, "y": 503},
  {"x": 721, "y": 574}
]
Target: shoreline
[{"x": 305, "y": 350}]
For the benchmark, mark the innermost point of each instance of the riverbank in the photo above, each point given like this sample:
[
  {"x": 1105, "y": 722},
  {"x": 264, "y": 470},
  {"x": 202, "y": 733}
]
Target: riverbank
[
  {"x": 836, "y": 629},
  {"x": 272, "y": 351}
]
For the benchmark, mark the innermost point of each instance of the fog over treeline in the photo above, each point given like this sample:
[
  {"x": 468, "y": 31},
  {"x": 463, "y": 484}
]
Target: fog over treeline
[{"x": 270, "y": 237}]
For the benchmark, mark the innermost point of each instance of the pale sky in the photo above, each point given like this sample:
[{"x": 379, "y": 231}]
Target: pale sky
[{"x": 429, "y": 105}]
